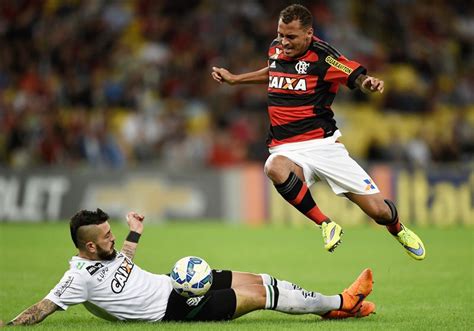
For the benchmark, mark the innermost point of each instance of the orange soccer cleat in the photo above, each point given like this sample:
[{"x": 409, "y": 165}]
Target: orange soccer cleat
[
  {"x": 365, "y": 310},
  {"x": 353, "y": 296}
]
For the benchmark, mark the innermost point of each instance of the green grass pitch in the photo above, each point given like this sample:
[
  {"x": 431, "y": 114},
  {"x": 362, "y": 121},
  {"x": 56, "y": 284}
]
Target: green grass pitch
[{"x": 433, "y": 294}]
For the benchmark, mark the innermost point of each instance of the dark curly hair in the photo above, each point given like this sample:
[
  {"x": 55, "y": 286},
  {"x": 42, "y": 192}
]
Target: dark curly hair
[
  {"x": 83, "y": 218},
  {"x": 297, "y": 12}
]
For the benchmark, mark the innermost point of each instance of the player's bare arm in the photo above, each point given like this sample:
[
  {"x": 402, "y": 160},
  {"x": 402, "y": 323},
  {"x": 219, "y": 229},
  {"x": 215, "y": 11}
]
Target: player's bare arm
[
  {"x": 222, "y": 75},
  {"x": 135, "y": 225},
  {"x": 369, "y": 84},
  {"x": 35, "y": 313}
]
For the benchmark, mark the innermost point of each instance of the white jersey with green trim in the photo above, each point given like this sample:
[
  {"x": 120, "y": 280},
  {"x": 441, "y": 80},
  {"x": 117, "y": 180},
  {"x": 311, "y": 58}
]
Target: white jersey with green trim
[{"x": 114, "y": 290}]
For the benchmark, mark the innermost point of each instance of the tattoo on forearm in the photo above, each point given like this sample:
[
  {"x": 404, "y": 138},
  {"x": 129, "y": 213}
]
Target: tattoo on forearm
[
  {"x": 35, "y": 313},
  {"x": 129, "y": 249}
]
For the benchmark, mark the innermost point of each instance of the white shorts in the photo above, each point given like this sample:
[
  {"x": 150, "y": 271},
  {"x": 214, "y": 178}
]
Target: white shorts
[{"x": 328, "y": 161}]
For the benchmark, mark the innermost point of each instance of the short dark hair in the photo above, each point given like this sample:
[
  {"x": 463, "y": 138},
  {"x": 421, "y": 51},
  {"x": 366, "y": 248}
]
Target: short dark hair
[
  {"x": 297, "y": 12},
  {"x": 83, "y": 218}
]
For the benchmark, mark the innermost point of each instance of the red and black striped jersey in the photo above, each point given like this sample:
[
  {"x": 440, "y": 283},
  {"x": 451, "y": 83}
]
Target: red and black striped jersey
[{"x": 301, "y": 91}]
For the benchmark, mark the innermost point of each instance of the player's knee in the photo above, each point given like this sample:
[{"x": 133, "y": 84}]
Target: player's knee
[{"x": 277, "y": 168}]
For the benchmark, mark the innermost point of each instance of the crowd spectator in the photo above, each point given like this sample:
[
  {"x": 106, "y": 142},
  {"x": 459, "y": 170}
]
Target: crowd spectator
[{"x": 118, "y": 83}]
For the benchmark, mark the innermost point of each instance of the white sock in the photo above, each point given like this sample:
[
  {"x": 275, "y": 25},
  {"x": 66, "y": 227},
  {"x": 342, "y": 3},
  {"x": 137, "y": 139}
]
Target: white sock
[
  {"x": 269, "y": 280},
  {"x": 299, "y": 301}
]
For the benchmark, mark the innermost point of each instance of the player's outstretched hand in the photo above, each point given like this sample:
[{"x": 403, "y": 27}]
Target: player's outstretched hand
[
  {"x": 372, "y": 84},
  {"x": 222, "y": 75},
  {"x": 134, "y": 221},
  {"x": 2, "y": 324}
]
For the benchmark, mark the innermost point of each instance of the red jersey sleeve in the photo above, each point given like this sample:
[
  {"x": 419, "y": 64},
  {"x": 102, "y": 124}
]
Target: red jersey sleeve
[{"x": 343, "y": 71}]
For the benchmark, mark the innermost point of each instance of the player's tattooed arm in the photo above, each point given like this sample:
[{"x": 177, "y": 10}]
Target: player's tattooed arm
[
  {"x": 35, "y": 313},
  {"x": 135, "y": 225},
  {"x": 129, "y": 249},
  {"x": 369, "y": 84}
]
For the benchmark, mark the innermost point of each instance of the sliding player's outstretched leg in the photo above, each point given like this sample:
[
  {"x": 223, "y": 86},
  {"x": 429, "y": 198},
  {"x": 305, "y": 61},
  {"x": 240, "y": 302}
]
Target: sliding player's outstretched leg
[
  {"x": 353, "y": 296},
  {"x": 289, "y": 298}
]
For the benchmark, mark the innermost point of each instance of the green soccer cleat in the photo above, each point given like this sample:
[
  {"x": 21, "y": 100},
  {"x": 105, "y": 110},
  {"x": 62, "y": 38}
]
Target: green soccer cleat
[
  {"x": 412, "y": 243},
  {"x": 332, "y": 233}
]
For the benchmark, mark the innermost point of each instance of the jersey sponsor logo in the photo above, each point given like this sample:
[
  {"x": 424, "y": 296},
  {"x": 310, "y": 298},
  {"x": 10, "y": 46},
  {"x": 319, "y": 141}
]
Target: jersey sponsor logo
[
  {"x": 64, "y": 286},
  {"x": 92, "y": 269},
  {"x": 338, "y": 65},
  {"x": 302, "y": 67},
  {"x": 121, "y": 276},
  {"x": 192, "y": 302},
  {"x": 287, "y": 83}
]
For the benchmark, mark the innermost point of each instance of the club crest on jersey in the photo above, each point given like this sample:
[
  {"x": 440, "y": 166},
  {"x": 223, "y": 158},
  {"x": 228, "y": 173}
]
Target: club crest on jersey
[
  {"x": 287, "y": 83},
  {"x": 302, "y": 67},
  {"x": 121, "y": 276}
]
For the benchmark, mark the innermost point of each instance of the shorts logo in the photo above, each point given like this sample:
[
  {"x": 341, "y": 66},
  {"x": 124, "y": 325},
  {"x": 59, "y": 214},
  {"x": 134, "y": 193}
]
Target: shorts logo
[
  {"x": 192, "y": 302},
  {"x": 121, "y": 276},
  {"x": 338, "y": 65},
  {"x": 302, "y": 67},
  {"x": 370, "y": 185},
  {"x": 64, "y": 286}
]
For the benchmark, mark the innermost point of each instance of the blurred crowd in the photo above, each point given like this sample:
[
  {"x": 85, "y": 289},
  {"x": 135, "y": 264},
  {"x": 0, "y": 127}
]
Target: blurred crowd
[{"x": 116, "y": 84}]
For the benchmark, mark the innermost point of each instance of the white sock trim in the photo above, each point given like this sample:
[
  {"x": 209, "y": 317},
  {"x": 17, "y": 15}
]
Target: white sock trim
[{"x": 271, "y": 297}]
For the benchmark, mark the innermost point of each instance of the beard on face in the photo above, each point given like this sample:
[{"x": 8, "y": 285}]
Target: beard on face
[{"x": 106, "y": 255}]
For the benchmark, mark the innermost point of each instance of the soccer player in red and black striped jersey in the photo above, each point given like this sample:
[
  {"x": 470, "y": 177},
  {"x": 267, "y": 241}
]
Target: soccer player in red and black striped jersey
[{"x": 303, "y": 76}]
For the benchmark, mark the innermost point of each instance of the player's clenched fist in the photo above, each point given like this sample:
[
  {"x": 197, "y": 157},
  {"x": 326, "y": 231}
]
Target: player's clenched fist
[
  {"x": 134, "y": 221},
  {"x": 222, "y": 75}
]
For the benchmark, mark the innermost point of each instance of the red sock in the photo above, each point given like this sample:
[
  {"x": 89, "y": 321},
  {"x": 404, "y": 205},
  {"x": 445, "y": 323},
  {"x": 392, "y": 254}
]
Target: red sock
[
  {"x": 394, "y": 228},
  {"x": 316, "y": 215}
]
